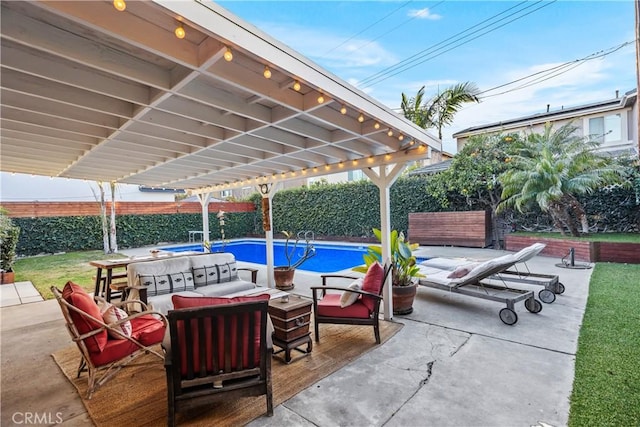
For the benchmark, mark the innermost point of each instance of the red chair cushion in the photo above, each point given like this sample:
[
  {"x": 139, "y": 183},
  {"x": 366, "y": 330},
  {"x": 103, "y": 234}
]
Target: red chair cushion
[
  {"x": 372, "y": 283},
  {"x": 330, "y": 306},
  {"x": 180, "y": 302},
  {"x": 146, "y": 329},
  {"x": 79, "y": 298}
]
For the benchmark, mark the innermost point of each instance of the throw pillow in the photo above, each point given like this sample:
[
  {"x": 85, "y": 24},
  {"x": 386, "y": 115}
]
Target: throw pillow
[
  {"x": 112, "y": 314},
  {"x": 207, "y": 275},
  {"x": 372, "y": 283},
  {"x": 460, "y": 271},
  {"x": 167, "y": 283},
  {"x": 228, "y": 272},
  {"x": 347, "y": 298}
]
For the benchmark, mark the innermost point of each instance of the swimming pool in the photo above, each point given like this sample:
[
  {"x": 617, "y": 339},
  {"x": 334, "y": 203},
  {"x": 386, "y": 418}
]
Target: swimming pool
[{"x": 329, "y": 258}]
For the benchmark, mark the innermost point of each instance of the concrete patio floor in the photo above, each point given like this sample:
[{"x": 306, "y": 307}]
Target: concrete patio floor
[{"x": 454, "y": 363}]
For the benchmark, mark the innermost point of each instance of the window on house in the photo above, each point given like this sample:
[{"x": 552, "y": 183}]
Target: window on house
[
  {"x": 225, "y": 193},
  {"x": 606, "y": 129},
  {"x": 355, "y": 175}
]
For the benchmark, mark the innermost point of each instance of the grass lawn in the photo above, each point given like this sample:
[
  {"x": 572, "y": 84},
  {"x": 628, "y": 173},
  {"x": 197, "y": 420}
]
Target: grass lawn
[
  {"x": 598, "y": 237},
  {"x": 49, "y": 270},
  {"x": 606, "y": 389}
]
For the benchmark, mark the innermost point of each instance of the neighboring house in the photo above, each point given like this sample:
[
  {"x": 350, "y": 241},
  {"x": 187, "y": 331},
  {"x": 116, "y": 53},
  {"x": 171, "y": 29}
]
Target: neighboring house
[{"x": 614, "y": 122}]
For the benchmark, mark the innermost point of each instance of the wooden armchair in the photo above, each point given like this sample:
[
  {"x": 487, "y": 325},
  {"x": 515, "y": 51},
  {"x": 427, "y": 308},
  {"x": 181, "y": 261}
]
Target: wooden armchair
[
  {"x": 107, "y": 347},
  {"x": 217, "y": 352},
  {"x": 365, "y": 310}
]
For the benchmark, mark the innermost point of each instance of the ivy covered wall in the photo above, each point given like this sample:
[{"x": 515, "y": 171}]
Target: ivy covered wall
[{"x": 336, "y": 211}]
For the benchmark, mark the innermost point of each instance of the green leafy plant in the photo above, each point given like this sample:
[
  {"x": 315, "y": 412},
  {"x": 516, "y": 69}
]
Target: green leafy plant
[
  {"x": 291, "y": 250},
  {"x": 403, "y": 262},
  {"x": 8, "y": 242}
]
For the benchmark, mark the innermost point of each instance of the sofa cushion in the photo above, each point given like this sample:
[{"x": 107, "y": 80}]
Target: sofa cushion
[
  {"x": 330, "y": 306},
  {"x": 79, "y": 298},
  {"x": 224, "y": 289}
]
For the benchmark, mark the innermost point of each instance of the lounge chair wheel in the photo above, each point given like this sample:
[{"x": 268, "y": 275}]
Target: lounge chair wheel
[
  {"x": 533, "y": 305},
  {"x": 546, "y": 296},
  {"x": 508, "y": 316},
  {"x": 560, "y": 288}
]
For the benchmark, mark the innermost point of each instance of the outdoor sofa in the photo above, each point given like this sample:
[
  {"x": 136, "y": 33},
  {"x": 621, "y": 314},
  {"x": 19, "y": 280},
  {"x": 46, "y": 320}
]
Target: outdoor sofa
[{"x": 211, "y": 275}]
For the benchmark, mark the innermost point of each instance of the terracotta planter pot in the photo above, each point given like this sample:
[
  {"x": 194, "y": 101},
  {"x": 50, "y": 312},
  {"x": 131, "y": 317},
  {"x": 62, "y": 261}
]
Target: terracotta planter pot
[
  {"x": 403, "y": 298},
  {"x": 7, "y": 277},
  {"x": 283, "y": 278}
]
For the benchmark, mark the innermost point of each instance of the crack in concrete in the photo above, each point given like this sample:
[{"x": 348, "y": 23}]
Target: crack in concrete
[
  {"x": 461, "y": 345},
  {"x": 421, "y": 384}
]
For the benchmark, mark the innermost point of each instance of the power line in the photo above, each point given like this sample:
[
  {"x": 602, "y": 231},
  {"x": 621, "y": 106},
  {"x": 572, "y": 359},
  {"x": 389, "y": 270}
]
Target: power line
[
  {"x": 365, "y": 29},
  {"x": 430, "y": 53}
]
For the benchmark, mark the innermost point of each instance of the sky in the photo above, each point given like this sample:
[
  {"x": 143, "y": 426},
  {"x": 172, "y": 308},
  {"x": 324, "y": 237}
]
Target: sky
[{"x": 523, "y": 55}]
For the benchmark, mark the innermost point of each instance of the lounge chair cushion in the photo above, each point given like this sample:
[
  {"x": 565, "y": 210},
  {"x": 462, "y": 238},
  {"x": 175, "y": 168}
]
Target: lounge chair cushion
[
  {"x": 329, "y": 306},
  {"x": 372, "y": 283},
  {"x": 167, "y": 283},
  {"x": 525, "y": 254},
  {"x": 347, "y": 298},
  {"x": 483, "y": 267},
  {"x": 79, "y": 298}
]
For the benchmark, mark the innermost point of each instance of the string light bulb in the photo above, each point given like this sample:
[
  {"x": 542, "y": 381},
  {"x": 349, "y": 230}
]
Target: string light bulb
[
  {"x": 296, "y": 86},
  {"x": 228, "y": 55},
  {"x": 390, "y": 132},
  {"x": 361, "y": 118},
  {"x": 320, "y": 99},
  {"x": 343, "y": 109},
  {"x": 267, "y": 72},
  {"x": 400, "y": 137},
  {"x": 179, "y": 31},
  {"x": 376, "y": 125},
  {"x": 120, "y": 5}
]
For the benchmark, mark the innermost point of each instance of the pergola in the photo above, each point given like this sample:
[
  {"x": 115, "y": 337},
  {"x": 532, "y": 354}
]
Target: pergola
[{"x": 91, "y": 92}]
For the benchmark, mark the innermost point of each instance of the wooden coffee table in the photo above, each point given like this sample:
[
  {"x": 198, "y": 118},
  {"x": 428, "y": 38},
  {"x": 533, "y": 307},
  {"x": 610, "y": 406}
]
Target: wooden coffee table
[{"x": 291, "y": 320}]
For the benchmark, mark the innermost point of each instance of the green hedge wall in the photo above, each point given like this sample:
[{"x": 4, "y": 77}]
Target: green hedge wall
[{"x": 349, "y": 210}]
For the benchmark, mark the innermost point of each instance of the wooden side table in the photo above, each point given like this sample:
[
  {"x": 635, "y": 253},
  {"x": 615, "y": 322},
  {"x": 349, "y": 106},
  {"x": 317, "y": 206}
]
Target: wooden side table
[{"x": 291, "y": 322}]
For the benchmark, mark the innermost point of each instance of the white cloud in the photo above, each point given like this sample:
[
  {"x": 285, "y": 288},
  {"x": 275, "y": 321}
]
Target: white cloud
[
  {"x": 424, "y": 14},
  {"x": 329, "y": 48}
]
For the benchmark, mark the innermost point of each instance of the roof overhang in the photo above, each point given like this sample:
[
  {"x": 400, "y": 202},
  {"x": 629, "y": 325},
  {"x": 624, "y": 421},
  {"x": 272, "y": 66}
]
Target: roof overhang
[{"x": 92, "y": 93}]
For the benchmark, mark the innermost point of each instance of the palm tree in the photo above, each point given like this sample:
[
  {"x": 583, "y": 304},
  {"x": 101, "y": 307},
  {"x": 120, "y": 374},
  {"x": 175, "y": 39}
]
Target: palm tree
[
  {"x": 440, "y": 109},
  {"x": 552, "y": 170}
]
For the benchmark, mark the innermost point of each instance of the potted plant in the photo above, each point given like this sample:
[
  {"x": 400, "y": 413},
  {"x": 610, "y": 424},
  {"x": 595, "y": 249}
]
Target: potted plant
[
  {"x": 296, "y": 254},
  {"x": 404, "y": 270},
  {"x": 8, "y": 241}
]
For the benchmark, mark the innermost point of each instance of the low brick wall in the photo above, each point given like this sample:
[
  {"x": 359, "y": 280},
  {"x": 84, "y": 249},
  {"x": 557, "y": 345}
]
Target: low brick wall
[{"x": 584, "y": 251}]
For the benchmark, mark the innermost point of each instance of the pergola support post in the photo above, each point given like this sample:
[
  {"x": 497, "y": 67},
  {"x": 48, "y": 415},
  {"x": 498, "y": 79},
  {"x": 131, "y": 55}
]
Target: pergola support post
[
  {"x": 384, "y": 179},
  {"x": 204, "y": 199},
  {"x": 267, "y": 191}
]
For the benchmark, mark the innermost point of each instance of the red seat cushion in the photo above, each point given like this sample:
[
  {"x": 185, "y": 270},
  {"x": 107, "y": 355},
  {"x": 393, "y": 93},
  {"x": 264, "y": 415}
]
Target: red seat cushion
[
  {"x": 372, "y": 283},
  {"x": 79, "y": 298},
  {"x": 146, "y": 329},
  {"x": 180, "y": 302},
  {"x": 330, "y": 306}
]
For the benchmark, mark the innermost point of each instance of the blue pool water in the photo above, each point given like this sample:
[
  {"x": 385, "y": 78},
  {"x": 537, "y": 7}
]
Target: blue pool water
[{"x": 329, "y": 258}]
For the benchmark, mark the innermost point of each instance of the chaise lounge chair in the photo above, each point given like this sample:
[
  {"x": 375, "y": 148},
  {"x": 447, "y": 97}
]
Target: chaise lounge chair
[
  {"x": 551, "y": 282},
  {"x": 471, "y": 280}
]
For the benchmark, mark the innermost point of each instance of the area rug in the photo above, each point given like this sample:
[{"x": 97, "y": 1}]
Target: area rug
[{"x": 137, "y": 395}]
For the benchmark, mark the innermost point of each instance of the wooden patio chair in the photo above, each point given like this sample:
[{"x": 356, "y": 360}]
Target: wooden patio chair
[
  {"x": 107, "y": 348},
  {"x": 365, "y": 310},
  {"x": 217, "y": 353}
]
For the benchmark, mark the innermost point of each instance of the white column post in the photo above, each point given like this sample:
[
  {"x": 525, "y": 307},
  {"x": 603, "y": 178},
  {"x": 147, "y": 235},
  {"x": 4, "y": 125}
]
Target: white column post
[
  {"x": 204, "y": 199},
  {"x": 384, "y": 180}
]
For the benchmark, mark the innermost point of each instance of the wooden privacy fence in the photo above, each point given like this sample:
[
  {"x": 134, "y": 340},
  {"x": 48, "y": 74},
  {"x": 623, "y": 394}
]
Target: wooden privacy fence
[
  {"x": 54, "y": 209},
  {"x": 468, "y": 228}
]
